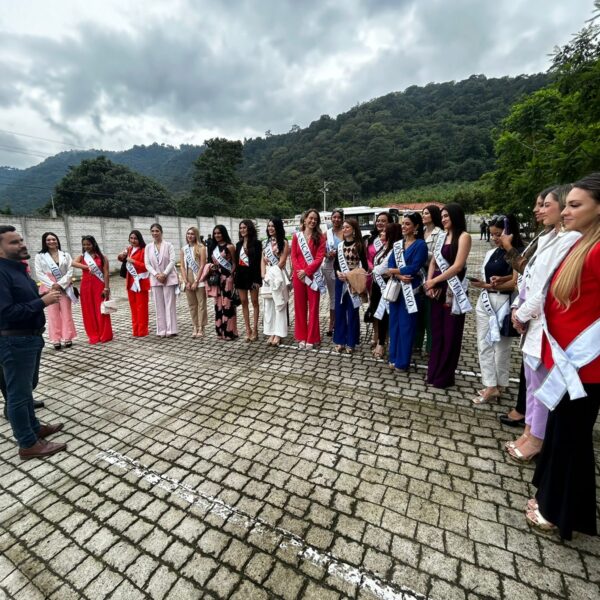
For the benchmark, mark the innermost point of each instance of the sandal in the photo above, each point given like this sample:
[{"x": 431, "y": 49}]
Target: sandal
[
  {"x": 68, "y": 344},
  {"x": 532, "y": 504},
  {"x": 537, "y": 522},
  {"x": 379, "y": 351},
  {"x": 349, "y": 350},
  {"x": 481, "y": 398},
  {"x": 521, "y": 455},
  {"x": 339, "y": 349},
  {"x": 516, "y": 443},
  {"x": 302, "y": 345}
]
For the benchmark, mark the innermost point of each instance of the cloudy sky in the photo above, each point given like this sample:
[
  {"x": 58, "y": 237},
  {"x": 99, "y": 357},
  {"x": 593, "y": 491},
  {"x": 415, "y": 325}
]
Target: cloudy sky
[{"x": 113, "y": 73}]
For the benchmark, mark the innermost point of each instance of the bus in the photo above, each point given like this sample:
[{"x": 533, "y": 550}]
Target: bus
[{"x": 365, "y": 215}]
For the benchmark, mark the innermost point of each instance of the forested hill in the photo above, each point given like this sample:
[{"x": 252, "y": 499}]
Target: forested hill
[
  {"x": 28, "y": 189},
  {"x": 424, "y": 135}
]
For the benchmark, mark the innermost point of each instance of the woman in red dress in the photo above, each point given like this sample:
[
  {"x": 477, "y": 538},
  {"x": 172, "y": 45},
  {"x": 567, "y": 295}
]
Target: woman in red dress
[
  {"x": 94, "y": 290},
  {"x": 137, "y": 283},
  {"x": 565, "y": 475}
]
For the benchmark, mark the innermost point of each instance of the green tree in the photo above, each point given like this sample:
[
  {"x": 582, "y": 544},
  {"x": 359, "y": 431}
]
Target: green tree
[
  {"x": 99, "y": 187},
  {"x": 216, "y": 182}
]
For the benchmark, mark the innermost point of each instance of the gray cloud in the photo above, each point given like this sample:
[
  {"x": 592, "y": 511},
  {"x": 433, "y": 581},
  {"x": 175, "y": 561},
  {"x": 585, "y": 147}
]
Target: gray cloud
[{"x": 245, "y": 66}]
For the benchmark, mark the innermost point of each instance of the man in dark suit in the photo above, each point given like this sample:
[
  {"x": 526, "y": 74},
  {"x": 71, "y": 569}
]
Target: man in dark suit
[{"x": 22, "y": 323}]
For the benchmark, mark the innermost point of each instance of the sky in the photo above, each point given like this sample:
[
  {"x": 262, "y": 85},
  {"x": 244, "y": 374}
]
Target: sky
[{"x": 113, "y": 73}]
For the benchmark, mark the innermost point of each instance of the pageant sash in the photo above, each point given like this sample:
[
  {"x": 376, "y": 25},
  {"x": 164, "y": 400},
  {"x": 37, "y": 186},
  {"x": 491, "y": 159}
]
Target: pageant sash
[
  {"x": 460, "y": 300},
  {"x": 57, "y": 273},
  {"x": 378, "y": 244},
  {"x": 223, "y": 262},
  {"x": 317, "y": 282},
  {"x": 345, "y": 269},
  {"x": 89, "y": 261},
  {"x": 330, "y": 245},
  {"x": 380, "y": 281},
  {"x": 495, "y": 318},
  {"x": 407, "y": 289},
  {"x": 135, "y": 286},
  {"x": 270, "y": 255},
  {"x": 244, "y": 260},
  {"x": 190, "y": 261},
  {"x": 563, "y": 376}
]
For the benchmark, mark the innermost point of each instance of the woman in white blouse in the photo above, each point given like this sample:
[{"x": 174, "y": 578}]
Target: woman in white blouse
[
  {"x": 54, "y": 271},
  {"x": 160, "y": 262}
]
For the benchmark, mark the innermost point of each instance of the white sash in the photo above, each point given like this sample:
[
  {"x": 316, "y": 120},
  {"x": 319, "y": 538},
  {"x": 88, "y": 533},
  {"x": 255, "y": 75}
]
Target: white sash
[
  {"x": 407, "y": 289},
  {"x": 244, "y": 257},
  {"x": 269, "y": 254},
  {"x": 190, "y": 261},
  {"x": 563, "y": 376},
  {"x": 135, "y": 286},
  {"x": 495, "y": 318},
  {"x": 221, "y": 260},
  {"x": 344, "y": 267},
  {"x": 330, "y": 240},
  {"x": 58, "y": 275},
  {"x": 383, "y": 304},
  {"x": 378, "y": 243},
  {"x": 89, "y": 261},
  {"x": 317, "y": 283},
  {"x": 460, "y": 300}
]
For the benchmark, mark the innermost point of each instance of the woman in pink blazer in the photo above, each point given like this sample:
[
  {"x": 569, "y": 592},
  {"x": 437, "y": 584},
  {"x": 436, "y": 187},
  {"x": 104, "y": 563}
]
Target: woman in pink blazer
[{"x": 160, "y": 263}]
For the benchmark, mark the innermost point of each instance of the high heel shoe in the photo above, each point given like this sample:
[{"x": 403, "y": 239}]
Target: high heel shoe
[
  {"x": 482, "y": 398},
  {"x": 525, "y": 453},
  {"x": 254, "y": 337},
  {"x": 379, "y": 351}
]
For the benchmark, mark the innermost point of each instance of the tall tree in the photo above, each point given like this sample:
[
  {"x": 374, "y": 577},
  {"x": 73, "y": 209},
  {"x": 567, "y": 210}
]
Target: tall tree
[
  {"x": 216, "y": 182},
  {"x": 98, "y": 187}
]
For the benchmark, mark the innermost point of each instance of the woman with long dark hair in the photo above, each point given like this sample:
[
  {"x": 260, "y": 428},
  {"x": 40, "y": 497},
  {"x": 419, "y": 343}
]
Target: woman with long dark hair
[
  {"x": 221, "y": 253},
  {"x": 308, "y": 252},
  {"x": 276, "y": 283},
  {"x": 447, "y": 288},
  {"x": 137, "y": 283},
  {"x": 333, "y": 238},
  {"x": 54, "y": 271},
  {"x": 406, "y": 262},
  {"x": 565, "y": 475},
  {"x": 497, "y": 283},
  {"x": 160, "y": 262},
  {"x": 375, "y": 243},
  {"x": 247, "y": 278},
  {"x": 95, "y": 288},
  {"x": 351, "y": 254},
  {"x": 379, "y": 308},
  {"x": 432, "y": 227}
]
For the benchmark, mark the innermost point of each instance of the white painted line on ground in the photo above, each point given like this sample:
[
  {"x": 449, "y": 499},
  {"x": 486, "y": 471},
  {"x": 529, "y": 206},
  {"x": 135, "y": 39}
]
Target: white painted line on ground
[
  {"x": 375, "y": 360},
  {"x": 337, "y": 568}
]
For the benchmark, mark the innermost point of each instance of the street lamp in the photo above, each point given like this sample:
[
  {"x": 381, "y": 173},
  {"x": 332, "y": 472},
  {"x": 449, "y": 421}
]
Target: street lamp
[{"x": 324, "y": 191}]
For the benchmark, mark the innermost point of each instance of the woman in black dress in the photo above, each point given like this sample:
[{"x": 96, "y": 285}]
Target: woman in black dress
[{"x": 248, "y": 255}]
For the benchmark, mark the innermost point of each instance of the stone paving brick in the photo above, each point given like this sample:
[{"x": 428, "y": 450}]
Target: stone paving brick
[
  {"x": 381, "y": 471},
  {"x": 103, "y": 585}
]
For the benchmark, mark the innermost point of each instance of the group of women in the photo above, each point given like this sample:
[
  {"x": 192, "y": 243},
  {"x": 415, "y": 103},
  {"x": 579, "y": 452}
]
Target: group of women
[
  {"x": 412, "y": 274},
  {"x": 548, "y": 291}
]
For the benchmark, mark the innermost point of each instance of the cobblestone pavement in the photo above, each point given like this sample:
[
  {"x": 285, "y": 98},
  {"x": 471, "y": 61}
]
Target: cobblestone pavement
[{"x": 205, "y": 469}]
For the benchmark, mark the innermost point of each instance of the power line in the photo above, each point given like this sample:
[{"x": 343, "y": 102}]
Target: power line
[{"x": 35, "y": 137}]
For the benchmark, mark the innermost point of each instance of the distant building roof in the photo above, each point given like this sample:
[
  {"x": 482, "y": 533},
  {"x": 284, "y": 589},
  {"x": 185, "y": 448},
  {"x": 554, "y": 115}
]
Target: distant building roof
[{"x": 415, "y": 205}]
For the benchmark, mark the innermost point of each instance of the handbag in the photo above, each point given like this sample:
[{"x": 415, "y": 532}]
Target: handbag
[
  {"x": 108, "y": 307},
  {"x": 235, "y": 298},
  {"x": 265, "y": 290},
  {"x": 214, "y": 279},
  {"x": 123, "y": 270},
  {"x": 391, "y": 291},
  {"x": 507, "y": 329}
]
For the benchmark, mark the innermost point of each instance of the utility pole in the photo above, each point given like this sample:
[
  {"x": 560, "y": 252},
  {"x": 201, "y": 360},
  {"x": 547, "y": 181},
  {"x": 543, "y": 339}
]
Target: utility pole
[
  {"x": 52, "y": 210},
  {"x": 324, "y": 191}
]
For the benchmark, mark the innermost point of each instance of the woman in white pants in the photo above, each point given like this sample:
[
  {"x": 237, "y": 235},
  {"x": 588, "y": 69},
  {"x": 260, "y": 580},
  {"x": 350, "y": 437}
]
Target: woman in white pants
[
  {"x": 493, "y": 306},
  {"x": 276, "y": 251},
  {"x": 334, "y": 237},
  {"x": 160, "y": 263}
]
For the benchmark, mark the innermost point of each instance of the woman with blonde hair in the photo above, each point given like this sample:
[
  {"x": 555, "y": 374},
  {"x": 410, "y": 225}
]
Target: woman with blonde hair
[
  {"x": 192, "y": 260},
  {"x": 565, "y": 475}
]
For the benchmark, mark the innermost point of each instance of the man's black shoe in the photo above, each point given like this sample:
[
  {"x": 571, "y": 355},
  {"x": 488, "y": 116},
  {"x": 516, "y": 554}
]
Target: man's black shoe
[
  {"x": 38, "y": 404},
  {"x": 506, "y": 420}
]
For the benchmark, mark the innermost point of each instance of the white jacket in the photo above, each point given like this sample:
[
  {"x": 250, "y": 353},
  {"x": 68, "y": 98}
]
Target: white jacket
[
  {"x": 43, "y": 271},
  {"x": 552, "y": 249},
  {"x": 277, "y": 282}
]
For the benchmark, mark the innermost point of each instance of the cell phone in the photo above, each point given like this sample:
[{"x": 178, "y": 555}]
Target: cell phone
[
  {"x": 506, "y": 226},
  {"x": 474, "y": 279}
]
